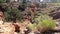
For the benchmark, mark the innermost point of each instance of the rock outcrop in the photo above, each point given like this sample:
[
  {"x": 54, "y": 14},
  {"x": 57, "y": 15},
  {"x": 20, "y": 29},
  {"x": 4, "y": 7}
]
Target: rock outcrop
[{"x": 7, "y": 28}]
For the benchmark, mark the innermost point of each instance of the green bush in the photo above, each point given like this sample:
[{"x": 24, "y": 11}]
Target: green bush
[
  {"x": 12, "y": 14},
  {"x": 2, "y": 1},
  {"x": 43, "y": 25},
  {"x": 44, "y": 21},
  {"x": 43, "y": 5},
  {"x": 49, "y": 24}
]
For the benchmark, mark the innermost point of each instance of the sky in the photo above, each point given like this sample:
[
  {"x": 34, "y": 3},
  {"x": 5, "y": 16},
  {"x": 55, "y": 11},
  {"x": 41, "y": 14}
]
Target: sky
[
  {"x": 41, "y": 0},
  {"x": 15, "y": 0}
]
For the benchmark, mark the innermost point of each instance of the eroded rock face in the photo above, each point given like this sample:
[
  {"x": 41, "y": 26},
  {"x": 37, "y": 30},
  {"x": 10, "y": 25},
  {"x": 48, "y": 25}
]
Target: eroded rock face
[{"x": 7, "y": 29}]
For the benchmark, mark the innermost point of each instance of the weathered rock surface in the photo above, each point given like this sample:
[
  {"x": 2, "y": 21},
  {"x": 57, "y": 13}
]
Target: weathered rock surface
[{"x": 7, "y": 28}]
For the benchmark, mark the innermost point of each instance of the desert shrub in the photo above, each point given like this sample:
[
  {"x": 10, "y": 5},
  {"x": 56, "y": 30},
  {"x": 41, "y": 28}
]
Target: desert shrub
[
  {"x": 44, "y": 22},
  {"x": 2, "y": 1},
  {"x": 49, "y": 24},
  {"x": 43, "y": 5},
  {"x": 43, "y": 25},
  {"x": 12, "y": 14}
]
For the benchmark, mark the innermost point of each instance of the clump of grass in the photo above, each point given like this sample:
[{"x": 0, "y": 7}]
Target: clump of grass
[
  {"x": 43, "y": 23},
  {"x": 49, "y": 24}
]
